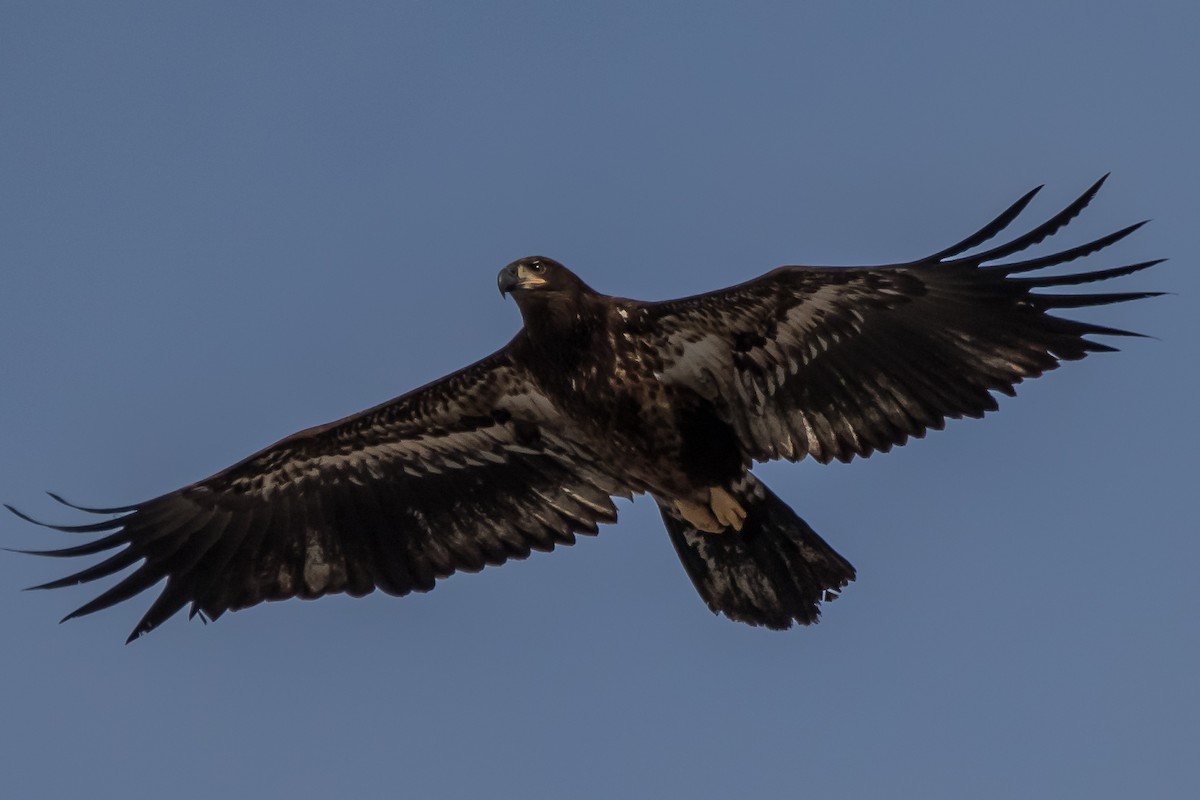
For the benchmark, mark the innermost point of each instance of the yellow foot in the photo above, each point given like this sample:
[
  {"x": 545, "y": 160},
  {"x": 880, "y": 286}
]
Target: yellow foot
[
  {"x": 720, "y": 513},
  {"x": 728, "y": 511},
  {"x": 699, "y": 516}
]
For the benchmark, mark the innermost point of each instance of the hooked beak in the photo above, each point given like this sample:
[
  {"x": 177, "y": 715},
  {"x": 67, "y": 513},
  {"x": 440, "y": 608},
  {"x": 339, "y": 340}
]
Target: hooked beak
[
  {"x": 515, "y": 276},
  {"x": 507, "y": 280}
]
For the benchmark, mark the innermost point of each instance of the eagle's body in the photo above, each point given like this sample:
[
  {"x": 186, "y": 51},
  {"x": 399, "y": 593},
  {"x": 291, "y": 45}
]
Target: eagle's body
[
  {"x": 595, "y": 359},
  {"x": 598, "y": 397}
]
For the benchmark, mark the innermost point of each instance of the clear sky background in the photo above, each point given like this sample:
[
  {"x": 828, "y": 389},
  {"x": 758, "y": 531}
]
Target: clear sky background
[{"x": 222, "y": 222}]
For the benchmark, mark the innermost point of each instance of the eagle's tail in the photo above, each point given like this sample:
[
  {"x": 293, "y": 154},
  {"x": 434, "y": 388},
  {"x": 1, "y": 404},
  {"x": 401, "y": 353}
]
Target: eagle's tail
[{"x": 775, "y": 571}]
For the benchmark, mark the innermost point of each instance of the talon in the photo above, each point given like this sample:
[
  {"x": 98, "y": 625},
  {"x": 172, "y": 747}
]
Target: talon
[
  {"x": 700, "y": 517},
  {"x": 726, "y": 509},
  {"x": 721, "y": 513}
]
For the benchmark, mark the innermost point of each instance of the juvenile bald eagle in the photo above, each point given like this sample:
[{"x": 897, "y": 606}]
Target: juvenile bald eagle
[{"x": 599, "y": 396}]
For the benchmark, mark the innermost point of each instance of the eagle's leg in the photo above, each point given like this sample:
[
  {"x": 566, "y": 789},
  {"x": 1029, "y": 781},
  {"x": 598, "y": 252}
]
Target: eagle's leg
[
  {"x": 720, "y": 513},
  {"x": 726, "y": 509},
  {"x": 699, "y": 515}
]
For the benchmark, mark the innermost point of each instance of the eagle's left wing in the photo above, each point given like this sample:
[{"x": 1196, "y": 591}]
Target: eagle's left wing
[{"x": 838, "y": 362}]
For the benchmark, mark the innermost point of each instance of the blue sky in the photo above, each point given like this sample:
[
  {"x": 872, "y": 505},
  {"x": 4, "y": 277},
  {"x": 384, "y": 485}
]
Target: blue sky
[{"x": 222, "y": 222}]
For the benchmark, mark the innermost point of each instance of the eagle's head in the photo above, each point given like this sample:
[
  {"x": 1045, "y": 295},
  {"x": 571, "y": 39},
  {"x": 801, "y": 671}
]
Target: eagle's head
[
  {"x": 537, "y": 274},
  {"x": 549, "y": 295}
]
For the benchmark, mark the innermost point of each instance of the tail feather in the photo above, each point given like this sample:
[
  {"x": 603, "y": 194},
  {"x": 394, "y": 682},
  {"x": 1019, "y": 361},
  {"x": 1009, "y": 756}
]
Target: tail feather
[{"x": 774, "y": 572}]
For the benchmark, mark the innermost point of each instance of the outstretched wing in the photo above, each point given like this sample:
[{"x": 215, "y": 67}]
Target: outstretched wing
[
  {"x": 471, "y": 470},
  {"x": 837, "y": 362}
]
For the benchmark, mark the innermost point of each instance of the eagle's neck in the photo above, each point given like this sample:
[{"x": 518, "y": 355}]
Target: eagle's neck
[{"x": 564, "y": 328}]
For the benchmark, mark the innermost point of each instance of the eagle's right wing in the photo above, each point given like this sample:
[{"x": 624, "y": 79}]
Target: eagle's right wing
[{"x": 471, "y": 470}]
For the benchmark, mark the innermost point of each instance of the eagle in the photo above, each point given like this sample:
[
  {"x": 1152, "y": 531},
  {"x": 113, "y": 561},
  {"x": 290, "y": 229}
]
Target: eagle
[{"x": 598, "y": 397}]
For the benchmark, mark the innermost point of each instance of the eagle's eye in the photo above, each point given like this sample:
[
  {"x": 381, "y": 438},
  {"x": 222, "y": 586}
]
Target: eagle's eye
[{"x": 538, "y": 267}]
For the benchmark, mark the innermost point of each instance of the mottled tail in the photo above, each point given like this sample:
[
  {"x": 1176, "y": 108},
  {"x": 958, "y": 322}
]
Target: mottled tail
[{"x": 775, "y": 571}]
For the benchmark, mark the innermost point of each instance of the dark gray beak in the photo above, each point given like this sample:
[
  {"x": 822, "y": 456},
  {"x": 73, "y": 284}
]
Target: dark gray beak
[{"x": 507, "y": 279}]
